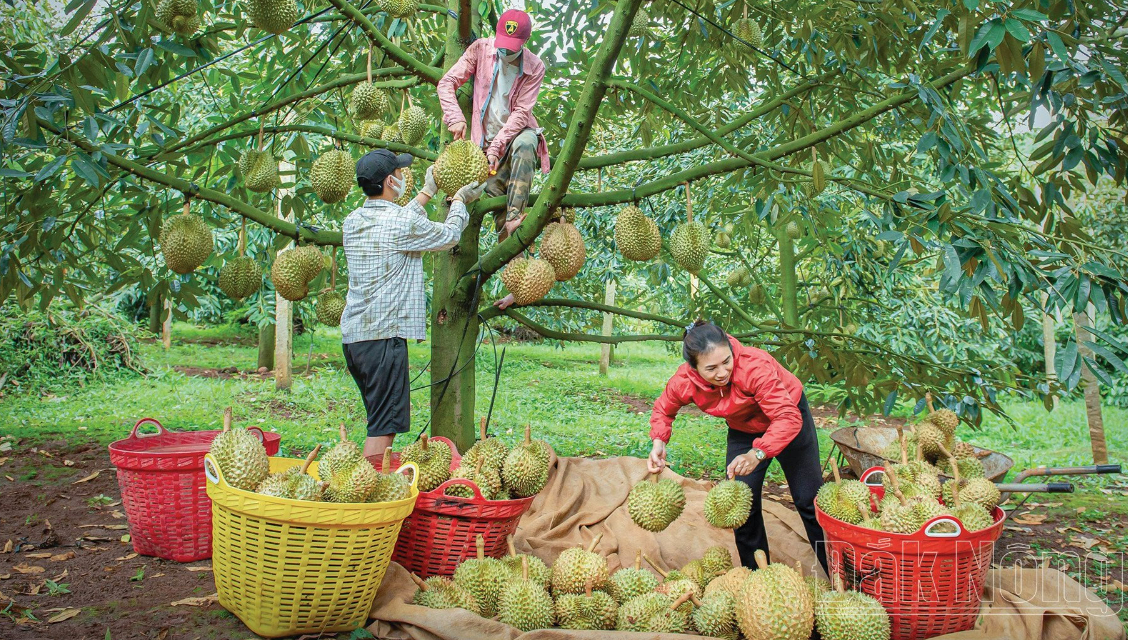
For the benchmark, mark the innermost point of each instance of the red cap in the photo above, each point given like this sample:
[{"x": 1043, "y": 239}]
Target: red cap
[{"x": 513, "y": 29}]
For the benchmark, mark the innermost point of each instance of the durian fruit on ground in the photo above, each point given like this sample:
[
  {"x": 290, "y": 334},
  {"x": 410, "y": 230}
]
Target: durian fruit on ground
[
  {"x": 180, "y": 16},
  {"x": 562, "y": 246},
  {"x": 290, "y": 273},
  {"x": 459, "y": 164},
  {"x": 368, "y": 102},
  {"x": 640, "y": 26},
  {"x": 629, "y": 582},
  {"x": 728, "y": 504},
  {"x": 240, "y": 455},
  {"x": 440, "y": 592},
  {"x": 717, "y": 561},
  {"x": 525, "y": 604},
  {"x": 749, "y": 31},
  {"x": 239, "y": 277},
  {"x": 636, "y": 235},
  {"x": 492, "y": 449},
  {"x": 715, "y": 616},
  {"x": 484, "y": 578},
  {"x": 850, "y": 615},
  {"x": 653, "y": 504},
  {"x": 731, "y": 581},
  {"x": 333, "y": 175},
  {"x": 675, "y": 582},
  {"x": 655, "y": 613},
  {"x": 408, "y": 187},
  {"x": 259, "y": 170},
  {"x": 433, "y": 460},
  {"x": 591, "y": 610},
  {"x": 293, "y": 483},
  {"x": 274, "y": 16},
  {"x": 818, "y": 588},
  {"x": 399, "y": 8},
  {"x": 413, "y": 124},
  {"x": 186, "y": 241},
  {"x": 575, "y": 567},
  {"x": 330, "y": 306},
  {"x": 538, "y": 570},
  {"x": 525, "y": 470},
  {"x": 689, "y": 245},
  {"x": 774, "y": 603}
]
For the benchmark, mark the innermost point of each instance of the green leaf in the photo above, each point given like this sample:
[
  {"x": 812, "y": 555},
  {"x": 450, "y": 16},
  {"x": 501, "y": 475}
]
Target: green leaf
[
  {"x": 1109, "y": 356},
  {"x": 1018, "y": 30},
  {"x": 1058, "y": 46},
  {"x": 144, "y": 59},
  {"x": 990, "y": 34},
  {"x": 77, "y": 18},
  {"x": 175, "y": 47},
  {"x": 890, "y": 402},
  {"x": 1030, "y": 14},
  {"x": 50, "y": 169},
  {"x": 1067, "y": 362}
]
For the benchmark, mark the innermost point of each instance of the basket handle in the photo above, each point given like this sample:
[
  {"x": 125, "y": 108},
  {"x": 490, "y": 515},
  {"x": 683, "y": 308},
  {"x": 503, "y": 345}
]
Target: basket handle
[
  {"x": 212, "y": 472},
  {"x": 143, "y": 421},
  {"x": 441, "y": 489},
  {"x": 939, "y": 519},
  {"x": 258, "y": 433},
  {"x": 871, "y": 472},
  {"x": 410, "y": 466}
]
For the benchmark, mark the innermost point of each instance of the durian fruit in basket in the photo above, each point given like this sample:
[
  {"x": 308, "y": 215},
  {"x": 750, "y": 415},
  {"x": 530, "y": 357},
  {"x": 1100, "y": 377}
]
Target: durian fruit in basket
[
  {"x": 628, "y": 582},
  {"x": 484, "y": 578},
  {"x": 839, "y": 499},
  {"x": 432, "y": 459},
  {"x": 916, "y": 475},
  {"x": 350, "y": 476},
  {"x": 390, "y": 486},
  {"x": 487, "y": 479},
  {"x": 492, "y": 450},
  {"x": 240, "y": 455},
  {"x": 538, "y": 570},
  {"x": 907, "y": 515},
  {"x": 973, "y": 515},
  {"x": 440, "y": 592},
  {"x": 525, "y": 470},
  {"x": 294, "y": 483}
]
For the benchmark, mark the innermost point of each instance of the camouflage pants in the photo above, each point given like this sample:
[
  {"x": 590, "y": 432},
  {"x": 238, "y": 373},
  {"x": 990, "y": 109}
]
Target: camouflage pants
[{"x": 514, "y": 177}]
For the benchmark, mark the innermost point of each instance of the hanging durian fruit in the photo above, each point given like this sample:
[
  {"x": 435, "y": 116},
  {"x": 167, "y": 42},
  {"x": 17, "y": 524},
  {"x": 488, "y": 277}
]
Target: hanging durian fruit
[{"x": 240, "y": 276}]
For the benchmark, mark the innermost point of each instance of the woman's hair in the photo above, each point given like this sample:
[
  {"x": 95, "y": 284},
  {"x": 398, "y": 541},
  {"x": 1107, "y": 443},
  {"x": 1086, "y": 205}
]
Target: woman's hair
[{"x": 701, "y": 337}]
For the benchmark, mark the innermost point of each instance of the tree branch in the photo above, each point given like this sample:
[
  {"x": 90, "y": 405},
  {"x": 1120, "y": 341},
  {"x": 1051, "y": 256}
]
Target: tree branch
[
  {"x": 192, "y": 143},
  {"x": 409, "y": 62},
  {"x": 193, "y": 190},
  {"x": 377, "y": 143},
  {"x": 552, "y": 334},
  {"x": 491, "y": 312}
]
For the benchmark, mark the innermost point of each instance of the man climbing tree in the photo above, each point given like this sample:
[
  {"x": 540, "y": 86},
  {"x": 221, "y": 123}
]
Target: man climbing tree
[{"x": 507, "y": 78}]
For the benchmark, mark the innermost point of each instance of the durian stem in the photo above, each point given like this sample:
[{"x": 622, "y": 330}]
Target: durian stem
[
  {"x": 418, "y": 582},
  {"x": 512, "y": 547},
  {"x": 386, "y": 461},
  {"x": 587, "y": 586},
  {"x": 344, "y": 433},
  {"x": 928, "y": 400},
  {"x": 186, "y": 201},
  {"x": 683, "y": 599},
  {"x": 524, "y": 567},
  {"x": 423, "y": 441},
  {"x": 243, "y": 239},
  {"x": 482, "y": 428},
  {"x": 836, "y": 582},
  {"x": 369, "y": 62},
  {"x": 403, "y": 101},
  {"x": 333, "y": 268},
  {"x": 761, "y": 558},
  {"x": 227, "y": 419},
  {"x": 745, "y": 10},
  {"x": 258, "y": 141},
  {"x": 688, "y": 204},
  {"x": 478, "y": 467},
  {"x": 864, "y": 509},
  {"x": 650, "y": 562},
  {"x": 528, "y": 434},
  {"x": 638, "y": 560},
  {"x": 652, "y": 477},
  {"x": 694, "y": 600},
  {"x": 834, "y": 469},
  {"x": 904, "y": 444},
  {"x": 594, "y": 543},
  {"x": 955, "y": 475},
  {"x": 480, "y": 543},
  {"x": 309, "y": 458}
]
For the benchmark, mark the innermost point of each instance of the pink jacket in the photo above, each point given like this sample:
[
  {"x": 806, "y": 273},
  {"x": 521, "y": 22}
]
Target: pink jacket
[{"x": 478, "y": 61}]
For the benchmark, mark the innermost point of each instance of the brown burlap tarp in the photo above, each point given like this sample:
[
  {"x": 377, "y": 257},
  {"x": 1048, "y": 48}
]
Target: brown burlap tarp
[{"x": 587, "y": 497}]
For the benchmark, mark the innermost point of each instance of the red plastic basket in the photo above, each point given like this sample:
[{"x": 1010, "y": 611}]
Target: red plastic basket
[
  {"x": 442, "y": 530},
  {"x": 162, "y": 483},
  {"x": 931, "y": 583}
]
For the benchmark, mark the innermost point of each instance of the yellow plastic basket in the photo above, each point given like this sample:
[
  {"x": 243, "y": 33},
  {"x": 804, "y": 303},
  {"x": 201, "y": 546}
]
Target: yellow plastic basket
[{"x": 288, "y": 567}]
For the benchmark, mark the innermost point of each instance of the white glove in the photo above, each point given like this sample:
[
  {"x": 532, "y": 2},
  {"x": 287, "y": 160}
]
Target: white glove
[
  {"x": 470, "y": 192},
  {"x": 429, "y": 186}
]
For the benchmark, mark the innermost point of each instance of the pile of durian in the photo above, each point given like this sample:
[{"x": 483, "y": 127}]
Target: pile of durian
[
  {"x": 936, "y": 432},
  {"x": 499, "y": 472},
  {"x": 708, "y": 596},
  {"x": 914, "y": 495}
]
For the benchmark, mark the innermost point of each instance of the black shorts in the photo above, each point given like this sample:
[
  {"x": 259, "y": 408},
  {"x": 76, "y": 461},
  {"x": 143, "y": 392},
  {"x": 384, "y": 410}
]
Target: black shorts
[{"x": 380, "y": 370}]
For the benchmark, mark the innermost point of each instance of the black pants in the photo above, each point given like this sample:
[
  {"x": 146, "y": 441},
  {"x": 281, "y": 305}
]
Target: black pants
[
  {"x": 801, "y": 466},
  {"x": 380, "y": 370}
]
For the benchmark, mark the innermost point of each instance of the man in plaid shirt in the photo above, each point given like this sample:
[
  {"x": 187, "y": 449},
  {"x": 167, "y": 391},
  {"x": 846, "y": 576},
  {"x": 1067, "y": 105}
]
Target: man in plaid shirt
[{"x": 386, "y": 307}]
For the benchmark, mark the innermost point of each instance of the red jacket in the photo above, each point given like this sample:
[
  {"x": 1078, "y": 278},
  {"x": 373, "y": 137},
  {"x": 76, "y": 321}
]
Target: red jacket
[{"x": 761, "y": 397}]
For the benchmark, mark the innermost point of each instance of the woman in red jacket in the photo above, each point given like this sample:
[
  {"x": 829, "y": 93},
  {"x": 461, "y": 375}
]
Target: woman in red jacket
[{"x": 768, "y": 418}]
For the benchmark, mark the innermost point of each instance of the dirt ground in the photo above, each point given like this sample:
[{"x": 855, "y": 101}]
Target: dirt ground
[{"x": 67, "y": 569}]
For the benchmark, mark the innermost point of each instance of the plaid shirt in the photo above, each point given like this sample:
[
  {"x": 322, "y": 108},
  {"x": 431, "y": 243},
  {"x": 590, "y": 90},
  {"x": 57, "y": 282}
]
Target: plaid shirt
[{"x": 384, "y": 245}]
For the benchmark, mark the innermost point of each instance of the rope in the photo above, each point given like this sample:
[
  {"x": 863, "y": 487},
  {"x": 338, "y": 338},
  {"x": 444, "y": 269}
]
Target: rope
[{"x": 740, "y": 40}]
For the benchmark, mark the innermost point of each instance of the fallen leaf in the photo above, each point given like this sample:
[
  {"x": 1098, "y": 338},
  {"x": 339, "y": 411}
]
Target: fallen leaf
[
  {"x": 38, "y": 555},
  {"x": 62, "y": 576},
  {"x": 197, "y": 602},
  {"x": 155, "y": 575},
  {"x": 98, "y": 538},
  {"x": 198, "y": 568},
  {"x": 45, "y": 454},
  {"x": 130, "y": 556},
  {"x": 66, "y": 614},
  {"x": 88, "y": 478},
  {"x": 10, "y": 478},
  {"x": 103, "y": 526},
  {"x": 162, "y": 634},
  {"x": 1117, "y": 585},
  {"x": 4, "y": 576},
  {"x": 1085, "y": 542},
  {"x": 26, "y": 569},
  {"x": 125, "y": 539},
  {"x": 33, "y": 589},
  {"x": 6, "y": 446},
  {"x": 59, "y": 557},
  {"x": 9, "y": 546},
  {"x": 3, "y": 460},
  {"x": 1030, "y": 518},
  {"x": 114, "y": 503},
  {"x": 68, "y": 463},
  {"x": 117, "y": 515}
]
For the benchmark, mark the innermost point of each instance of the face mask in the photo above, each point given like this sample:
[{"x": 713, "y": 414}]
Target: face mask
[
  {"x": 507, "y": 55},
  {"x": 397, "y": 185}
]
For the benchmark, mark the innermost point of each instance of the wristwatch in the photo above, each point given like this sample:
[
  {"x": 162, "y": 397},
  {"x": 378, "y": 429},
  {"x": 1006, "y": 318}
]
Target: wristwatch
[{"x": 759, "y": 453}]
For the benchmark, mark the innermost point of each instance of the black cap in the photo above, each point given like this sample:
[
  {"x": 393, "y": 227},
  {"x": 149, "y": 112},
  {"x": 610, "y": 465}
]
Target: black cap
[{"x": 376, "y": 166}]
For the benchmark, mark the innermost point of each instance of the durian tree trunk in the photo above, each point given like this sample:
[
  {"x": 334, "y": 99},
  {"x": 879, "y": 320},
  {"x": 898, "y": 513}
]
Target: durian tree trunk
[
  {"x": 155, "y": 308},
  {"x": 607, "y": 350},
  {"x": 1092, "y": 388},
  {"x": 283, "y": 308},
  {"x": 266, "y": 347},
  {"x": 166, "y": 325},
  {"x": 788, "y": 277},
  {"x": 1049, "y": 347}
]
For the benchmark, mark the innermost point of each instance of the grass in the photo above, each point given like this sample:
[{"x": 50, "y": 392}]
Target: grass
[{"x": 558, "y": 391}]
